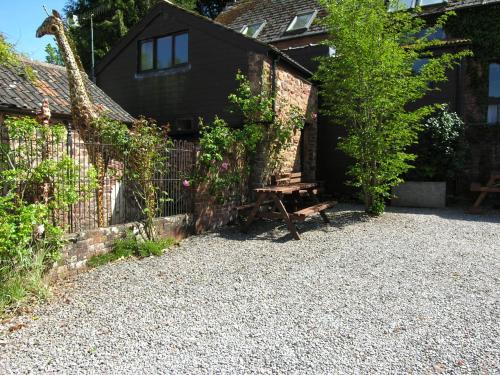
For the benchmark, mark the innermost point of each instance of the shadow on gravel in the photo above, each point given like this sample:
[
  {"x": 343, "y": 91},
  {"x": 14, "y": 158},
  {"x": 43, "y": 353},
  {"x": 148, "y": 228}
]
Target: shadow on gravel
[{"x": 277, "y": 231}]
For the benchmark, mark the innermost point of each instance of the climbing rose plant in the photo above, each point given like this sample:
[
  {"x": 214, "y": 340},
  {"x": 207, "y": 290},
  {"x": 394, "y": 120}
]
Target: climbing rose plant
[{"x": 226, "y": 153}]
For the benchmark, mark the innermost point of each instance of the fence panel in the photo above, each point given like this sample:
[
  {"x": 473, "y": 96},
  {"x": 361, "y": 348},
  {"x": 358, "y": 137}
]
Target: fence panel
[{"x": 119, "y": 204}]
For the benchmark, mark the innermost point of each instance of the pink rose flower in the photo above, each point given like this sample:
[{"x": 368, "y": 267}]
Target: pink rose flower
[
  {"x": 224, "y": 166},
  {"x": 186, "y": 183}
]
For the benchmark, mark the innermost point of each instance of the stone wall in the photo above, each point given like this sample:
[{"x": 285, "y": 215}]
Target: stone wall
[{"x": 82, "y": 246}]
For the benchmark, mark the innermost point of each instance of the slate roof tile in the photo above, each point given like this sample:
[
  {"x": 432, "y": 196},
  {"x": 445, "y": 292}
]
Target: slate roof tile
[
  {"x": 17, "y": 92},
  {"x": 279, "y": 13}
]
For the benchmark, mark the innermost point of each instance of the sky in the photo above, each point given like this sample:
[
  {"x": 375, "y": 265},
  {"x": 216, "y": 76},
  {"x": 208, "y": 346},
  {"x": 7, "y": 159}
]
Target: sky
[{"x": 19, "y": 20}]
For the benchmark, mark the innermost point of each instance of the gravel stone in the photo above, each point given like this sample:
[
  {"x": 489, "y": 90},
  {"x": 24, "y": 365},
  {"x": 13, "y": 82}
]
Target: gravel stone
[{"x": 414, "y": 291}]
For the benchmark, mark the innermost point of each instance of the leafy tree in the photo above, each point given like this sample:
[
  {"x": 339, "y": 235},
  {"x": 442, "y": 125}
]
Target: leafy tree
[
  {"x": 114, "y": 18},
  {"x": 369, "y": 83},
  {"x": 53, "y": 55},
  {"x": 11, "y": 59}
]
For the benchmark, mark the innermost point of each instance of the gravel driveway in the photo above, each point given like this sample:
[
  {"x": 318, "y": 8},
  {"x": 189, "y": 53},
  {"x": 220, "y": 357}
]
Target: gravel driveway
[{"x": 414, "y": 291}]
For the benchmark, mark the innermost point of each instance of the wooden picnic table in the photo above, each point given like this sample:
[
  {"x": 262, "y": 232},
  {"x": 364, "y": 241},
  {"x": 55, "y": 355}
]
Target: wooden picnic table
[
  {"x": 493, "y": 186},
  {"x": 275, "y": 194}
]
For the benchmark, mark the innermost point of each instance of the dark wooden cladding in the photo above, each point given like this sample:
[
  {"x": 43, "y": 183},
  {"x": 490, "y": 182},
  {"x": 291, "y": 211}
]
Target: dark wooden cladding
[{"x": 198, "y": 89}]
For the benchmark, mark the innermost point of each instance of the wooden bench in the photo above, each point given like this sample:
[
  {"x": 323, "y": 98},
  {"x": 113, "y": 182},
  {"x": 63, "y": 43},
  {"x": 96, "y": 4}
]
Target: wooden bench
[
  {"x": 319, "y": 207},
  {"x": 493, "y": 186}
]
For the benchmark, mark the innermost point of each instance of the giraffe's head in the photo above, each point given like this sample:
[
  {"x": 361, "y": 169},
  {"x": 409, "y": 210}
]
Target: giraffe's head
[{"x": 51, "y": 25}]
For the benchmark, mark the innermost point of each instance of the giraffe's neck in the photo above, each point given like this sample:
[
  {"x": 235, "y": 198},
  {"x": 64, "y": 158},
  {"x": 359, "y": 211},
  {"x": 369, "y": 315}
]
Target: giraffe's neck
[{"x": 81, "y": 107}]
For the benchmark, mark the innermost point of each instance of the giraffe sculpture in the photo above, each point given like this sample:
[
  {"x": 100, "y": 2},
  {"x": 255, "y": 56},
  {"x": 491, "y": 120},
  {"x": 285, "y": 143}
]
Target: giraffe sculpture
[{"x": 82, "y": 109}]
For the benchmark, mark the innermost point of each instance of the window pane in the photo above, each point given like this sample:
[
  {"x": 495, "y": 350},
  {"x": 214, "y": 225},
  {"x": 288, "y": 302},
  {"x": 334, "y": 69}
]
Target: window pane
[
  {"x": 400, "y": 5},
  {"x": 301, "y": 21},
  {"x": 181, "y": 49},
  {"x": 423, "y": 3},
  {"x": 252, "y": 30},
  {"x": 494, "y": 85},
  {"x": 146, "y": 55},
  {"x": 419, "y": 64},
  {"x": 164, "y": 53},
  {"x": 493, "y": 114}
]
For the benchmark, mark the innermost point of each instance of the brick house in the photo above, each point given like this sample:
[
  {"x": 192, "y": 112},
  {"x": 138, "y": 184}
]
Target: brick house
[{"x": 290, "y": 26}]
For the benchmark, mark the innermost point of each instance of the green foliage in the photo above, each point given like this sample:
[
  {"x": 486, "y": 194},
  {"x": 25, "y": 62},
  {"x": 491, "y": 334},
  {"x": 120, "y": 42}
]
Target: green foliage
[
  {"x": 113, "y": 20},
  {"x": 369, "y": 83},
  {"x": 130, "y": 246},
  {"x": 226, "y": 153},
  {"x": 38, "y": 181},
  {"x": 441, "y": 150},
  {"x": 9, "y": 58},
  {"x": 144, "y": 149},
  {"x": 53, "y": 55}
]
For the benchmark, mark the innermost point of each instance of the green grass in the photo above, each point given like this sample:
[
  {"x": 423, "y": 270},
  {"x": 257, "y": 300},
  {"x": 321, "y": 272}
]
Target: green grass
[
  {"x": 128, "y": 247},
  {"x": 20, "y": 287}
]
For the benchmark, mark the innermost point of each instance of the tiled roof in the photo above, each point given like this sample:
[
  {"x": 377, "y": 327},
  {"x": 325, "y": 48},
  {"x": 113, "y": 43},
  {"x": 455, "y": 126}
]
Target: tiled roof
[
  {"x": 279, "y": 13},
  {"x": 18, "y": 93}
]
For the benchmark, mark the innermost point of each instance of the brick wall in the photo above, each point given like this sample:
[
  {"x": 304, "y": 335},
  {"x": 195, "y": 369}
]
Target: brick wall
[
  {"x": 82, "y": 246},
  {"x": 291, "y": 91}
]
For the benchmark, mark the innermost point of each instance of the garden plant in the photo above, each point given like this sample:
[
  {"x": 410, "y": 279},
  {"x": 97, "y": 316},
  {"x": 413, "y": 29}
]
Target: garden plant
[{"x": 368, "y": 83}]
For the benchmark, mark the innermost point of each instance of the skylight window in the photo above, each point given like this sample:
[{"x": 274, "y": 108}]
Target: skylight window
[
  {"x": 302, "y": 21},
  {"x": 395, "y": 5},
  {"x": 253, "y": 30}
]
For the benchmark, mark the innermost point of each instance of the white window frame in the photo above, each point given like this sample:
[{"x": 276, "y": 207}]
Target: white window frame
[
  {"x": 313, "y": 14},
  {"x": 418, "y": 3},
  {"x": 257, "y": 32}
]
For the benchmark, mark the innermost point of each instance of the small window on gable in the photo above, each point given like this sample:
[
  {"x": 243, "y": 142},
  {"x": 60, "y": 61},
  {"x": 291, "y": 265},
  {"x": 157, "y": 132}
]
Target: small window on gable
[
  {"x": 253, "y": 30},
  {"x": 302, "y": 21},
  {"x": 494, "y": 94}
]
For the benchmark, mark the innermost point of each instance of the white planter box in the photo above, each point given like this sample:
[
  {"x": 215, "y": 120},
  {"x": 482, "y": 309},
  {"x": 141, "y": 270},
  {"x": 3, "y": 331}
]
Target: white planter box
[{"x": 420, "y": 194}]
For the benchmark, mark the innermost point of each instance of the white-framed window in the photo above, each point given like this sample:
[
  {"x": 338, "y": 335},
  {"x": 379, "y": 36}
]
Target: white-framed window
[
  {"x": 494, "y": 94},
  {"x": 424, "y": 3},
  {"x": 395, "y": 5},
  {"x": 302, "y": 21},
  {"x": 253, "y": 30}
]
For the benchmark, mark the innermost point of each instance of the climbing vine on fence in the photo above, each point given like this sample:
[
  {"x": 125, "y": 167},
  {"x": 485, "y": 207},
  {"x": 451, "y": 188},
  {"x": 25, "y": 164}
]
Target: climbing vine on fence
[
  {"x": 226, "y": 153},
  {"x": 144, "y": 149}
]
